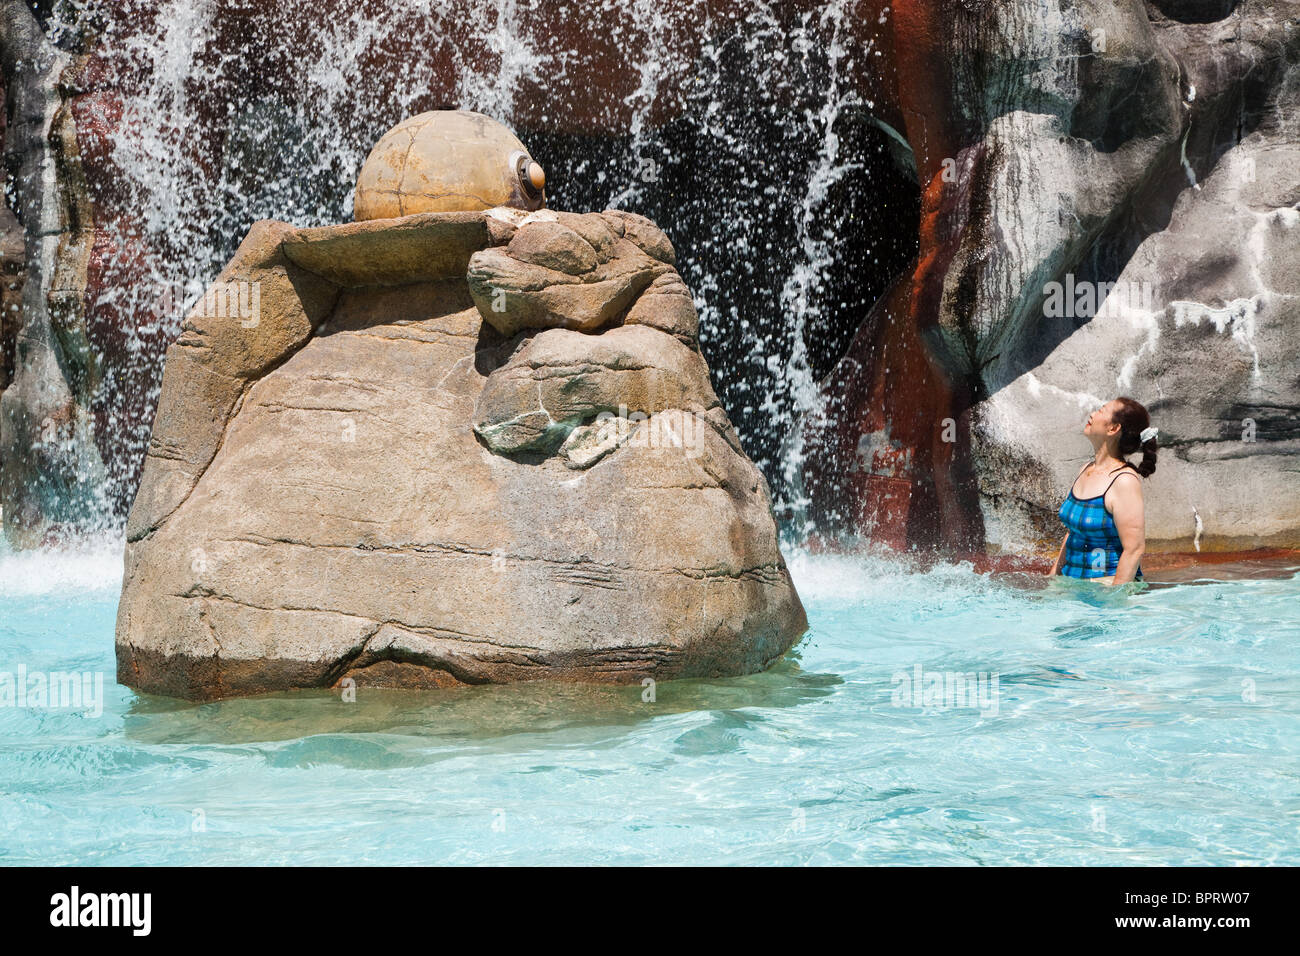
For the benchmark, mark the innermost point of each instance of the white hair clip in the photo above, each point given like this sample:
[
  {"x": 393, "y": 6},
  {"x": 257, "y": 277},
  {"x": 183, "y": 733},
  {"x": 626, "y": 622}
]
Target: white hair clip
[{"x": 1148, "y": 434}]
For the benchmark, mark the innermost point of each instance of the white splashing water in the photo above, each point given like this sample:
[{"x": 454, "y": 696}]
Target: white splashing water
[{"x": 91, "y": 566}]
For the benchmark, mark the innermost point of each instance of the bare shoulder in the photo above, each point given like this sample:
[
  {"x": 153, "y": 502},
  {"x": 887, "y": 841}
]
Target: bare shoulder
[{"x": 1129, "y": 480}]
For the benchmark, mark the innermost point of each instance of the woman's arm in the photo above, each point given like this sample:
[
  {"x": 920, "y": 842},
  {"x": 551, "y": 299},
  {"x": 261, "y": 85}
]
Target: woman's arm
[
  {"x": 1127, "y": 509},
  {"x": 1056, "y": 565}
]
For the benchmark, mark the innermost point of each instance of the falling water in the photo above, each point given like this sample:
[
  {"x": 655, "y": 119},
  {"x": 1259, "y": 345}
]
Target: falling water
[
  {"x": 741, "y": 131},
  {"x": 800, "y": 296}
]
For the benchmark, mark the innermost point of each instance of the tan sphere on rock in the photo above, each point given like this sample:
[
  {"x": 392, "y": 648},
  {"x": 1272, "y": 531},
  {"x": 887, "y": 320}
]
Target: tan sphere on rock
[{"x": 447, "y": 161}]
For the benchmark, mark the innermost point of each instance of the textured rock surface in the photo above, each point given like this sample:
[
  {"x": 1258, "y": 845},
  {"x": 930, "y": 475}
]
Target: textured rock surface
[
  {"x": 355, "y": 486},
  {"x": 13, "y": 260},
  {"x": 567, "y": 271}
]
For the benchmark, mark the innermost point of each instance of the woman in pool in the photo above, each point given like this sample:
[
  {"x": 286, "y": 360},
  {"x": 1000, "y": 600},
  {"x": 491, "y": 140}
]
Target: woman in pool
[{"x": 1103, "y": 515}]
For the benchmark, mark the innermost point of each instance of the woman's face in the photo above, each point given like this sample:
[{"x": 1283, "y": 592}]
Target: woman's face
[{"x": 1100, "y": 421}]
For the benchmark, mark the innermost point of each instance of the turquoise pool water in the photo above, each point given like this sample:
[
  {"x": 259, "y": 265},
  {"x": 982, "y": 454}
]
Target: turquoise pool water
[{"x": 1157, "y": 728}]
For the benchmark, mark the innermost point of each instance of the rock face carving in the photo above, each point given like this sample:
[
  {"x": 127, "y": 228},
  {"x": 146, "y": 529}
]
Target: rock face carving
[
  {"x": 453, "y": 448},
  {"x": 447, "y": 161}
]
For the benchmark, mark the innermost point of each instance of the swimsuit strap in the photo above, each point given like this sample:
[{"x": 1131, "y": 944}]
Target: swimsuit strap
[
  {"x": 1112, "y": 481},
  {"x": 1118, "y": 476}
]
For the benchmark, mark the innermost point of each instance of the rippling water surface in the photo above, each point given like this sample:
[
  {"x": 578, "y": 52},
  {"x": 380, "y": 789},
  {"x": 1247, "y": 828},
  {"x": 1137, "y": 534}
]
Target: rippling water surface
[{"x": 1161, "y": 727}]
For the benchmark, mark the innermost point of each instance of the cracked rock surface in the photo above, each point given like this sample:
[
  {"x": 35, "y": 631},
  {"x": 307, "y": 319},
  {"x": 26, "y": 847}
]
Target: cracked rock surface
[{"x": 402, "y": 476}]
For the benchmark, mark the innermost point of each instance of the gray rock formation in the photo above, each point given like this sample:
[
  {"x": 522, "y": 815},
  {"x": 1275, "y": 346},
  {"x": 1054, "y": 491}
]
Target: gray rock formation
[
  {"x": 52, "y": 473},
  {"x": 1078, "y": 104},
  {"x": 1200, "y": 321},
  {"x": 450, "y": 448},
  {"x": 1109, "y": 207}
]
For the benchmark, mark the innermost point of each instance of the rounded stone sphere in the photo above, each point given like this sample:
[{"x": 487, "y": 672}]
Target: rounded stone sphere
[{"x": 447, "y": 161}]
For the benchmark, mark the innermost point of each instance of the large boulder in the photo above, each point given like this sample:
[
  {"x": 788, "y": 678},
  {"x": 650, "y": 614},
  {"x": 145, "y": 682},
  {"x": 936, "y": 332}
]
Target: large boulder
[{"x": 371, "y": 465}]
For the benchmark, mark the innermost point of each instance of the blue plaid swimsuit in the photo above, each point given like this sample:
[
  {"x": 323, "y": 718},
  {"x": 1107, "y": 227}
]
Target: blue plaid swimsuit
[{"x": 1093, "y": 546}]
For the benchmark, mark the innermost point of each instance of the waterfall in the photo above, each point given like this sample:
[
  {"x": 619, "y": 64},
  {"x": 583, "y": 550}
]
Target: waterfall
[{"x": 743, "y": 131}]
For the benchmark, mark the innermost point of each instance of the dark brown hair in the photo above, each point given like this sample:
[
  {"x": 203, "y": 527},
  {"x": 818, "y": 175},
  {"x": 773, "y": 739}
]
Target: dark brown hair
[{"x": 1133, "y": 419}]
